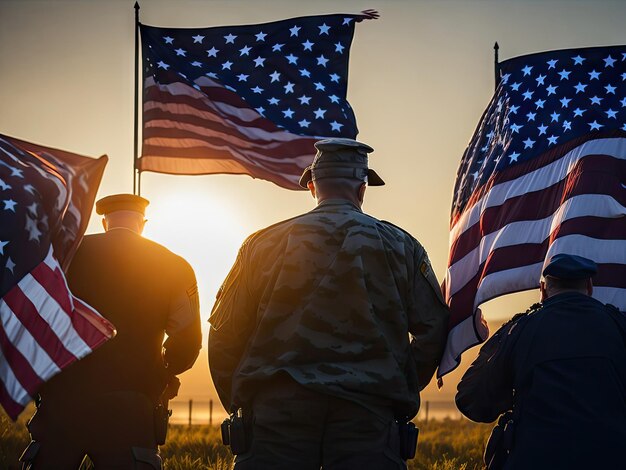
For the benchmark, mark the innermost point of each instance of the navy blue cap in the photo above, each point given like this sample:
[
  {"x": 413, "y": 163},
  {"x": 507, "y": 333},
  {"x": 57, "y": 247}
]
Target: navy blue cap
[{"x": 564, "y": 266}]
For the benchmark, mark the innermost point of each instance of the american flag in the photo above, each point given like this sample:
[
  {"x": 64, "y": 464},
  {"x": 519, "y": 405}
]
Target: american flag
[
  {"x": 544, "y": 173},
  {"x": 46, "y": 196},
  {"x": 245, "y": 99}
]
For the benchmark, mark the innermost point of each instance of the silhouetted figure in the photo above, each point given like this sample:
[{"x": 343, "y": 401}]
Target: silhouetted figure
[
  {"x": 310, "y": 331},
  {"x": 105, "y": 404},
  {"x": 561, "y": 369}
]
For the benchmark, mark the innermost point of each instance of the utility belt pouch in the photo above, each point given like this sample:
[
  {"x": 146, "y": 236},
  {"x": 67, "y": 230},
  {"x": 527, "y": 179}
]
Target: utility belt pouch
[
  {"x": 235, "y": 433},
  {"x": 408, "y": 439},
  {"x": 161, "y": 422}
]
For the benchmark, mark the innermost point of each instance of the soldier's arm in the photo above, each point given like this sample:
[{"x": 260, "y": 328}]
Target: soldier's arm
[
  {"x": 486, "y": 389},
  {"x": 428, "y": 320},
  {"x": 184, "y": 335},
  {"x": 232, "y": 321}
]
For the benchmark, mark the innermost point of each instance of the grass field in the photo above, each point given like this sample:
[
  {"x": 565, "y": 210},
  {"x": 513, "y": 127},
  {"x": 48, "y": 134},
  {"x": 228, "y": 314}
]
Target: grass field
[{"x": 443, "y": 445}]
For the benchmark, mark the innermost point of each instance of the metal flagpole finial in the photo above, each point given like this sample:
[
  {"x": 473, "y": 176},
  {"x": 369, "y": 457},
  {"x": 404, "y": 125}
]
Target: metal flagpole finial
[{"x": 496, "y": 63}]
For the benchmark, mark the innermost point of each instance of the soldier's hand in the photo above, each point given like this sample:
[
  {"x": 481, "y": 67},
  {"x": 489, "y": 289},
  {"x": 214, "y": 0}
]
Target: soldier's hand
[{"x": 171, "y": 389}]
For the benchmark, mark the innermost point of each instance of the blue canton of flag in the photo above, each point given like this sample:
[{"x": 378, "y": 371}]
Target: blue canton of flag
[
  {"x": 545, "y": 173},
  {"x": 245, "y": 99}
]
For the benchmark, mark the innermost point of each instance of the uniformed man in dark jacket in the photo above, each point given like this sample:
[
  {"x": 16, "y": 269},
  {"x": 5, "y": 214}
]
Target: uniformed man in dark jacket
[
  {"x": 561, "y": 369},
  {"x": 327, "y": 327},
  {"x": 104, "y": 405}
]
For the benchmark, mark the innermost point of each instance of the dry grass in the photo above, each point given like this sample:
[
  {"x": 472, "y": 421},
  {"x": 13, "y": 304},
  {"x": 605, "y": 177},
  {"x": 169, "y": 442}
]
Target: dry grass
[{"x": 443, "y": 445}]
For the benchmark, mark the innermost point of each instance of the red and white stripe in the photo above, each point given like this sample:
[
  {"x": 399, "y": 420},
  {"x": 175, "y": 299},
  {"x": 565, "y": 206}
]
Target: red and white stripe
[
  {"x": 43, "y": 329},
  {"x": 568, "y": 202},
  {"x": 212, "y": 130}
]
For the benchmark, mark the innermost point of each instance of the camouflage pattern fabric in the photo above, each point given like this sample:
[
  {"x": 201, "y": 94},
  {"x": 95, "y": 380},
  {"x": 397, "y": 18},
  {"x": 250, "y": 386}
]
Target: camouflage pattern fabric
[{"x": 330, "y": 297}]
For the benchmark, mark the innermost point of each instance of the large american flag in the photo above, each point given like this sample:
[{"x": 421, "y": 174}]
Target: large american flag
[
  {"x": 544, "y": 173},
  {"x": 245, "y": 99},
  {"x": 46, "y": 197}
]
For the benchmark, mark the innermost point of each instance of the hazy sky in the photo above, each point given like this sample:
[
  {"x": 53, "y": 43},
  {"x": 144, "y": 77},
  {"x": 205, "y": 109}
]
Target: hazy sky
[{"x": 420, "y": 78}]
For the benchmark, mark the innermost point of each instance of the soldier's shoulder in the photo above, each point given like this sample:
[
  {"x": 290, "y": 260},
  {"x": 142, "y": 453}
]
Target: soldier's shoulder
[
  {"x": 272, "y": 230},
  {"x": 396, "y": 229},
  {"x": 523, "y": 316}
]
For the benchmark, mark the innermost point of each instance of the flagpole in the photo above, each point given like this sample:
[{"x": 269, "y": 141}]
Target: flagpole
[
  {"x": 496, "y": 64},
  {"x": 136, "y": 172}
]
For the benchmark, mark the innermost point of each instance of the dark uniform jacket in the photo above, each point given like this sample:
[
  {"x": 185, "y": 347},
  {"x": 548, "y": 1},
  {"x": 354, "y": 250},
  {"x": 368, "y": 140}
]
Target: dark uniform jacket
[
  {"x": 329, "y": 298},
  {"x": 145, "y": 291},
  {"x": 563, "y": 369}
]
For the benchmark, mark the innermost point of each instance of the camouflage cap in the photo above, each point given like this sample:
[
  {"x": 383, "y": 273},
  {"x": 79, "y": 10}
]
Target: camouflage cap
[
  {"x": 341, "y": 157},
  {"x": 121, "y": 202}
]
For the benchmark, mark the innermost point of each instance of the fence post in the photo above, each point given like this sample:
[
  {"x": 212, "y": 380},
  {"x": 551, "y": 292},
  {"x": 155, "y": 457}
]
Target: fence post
[
  {"x": 427, "y": 405},
  {"x": 210, "y": 412},
  {"x": 190, "y": 406}
]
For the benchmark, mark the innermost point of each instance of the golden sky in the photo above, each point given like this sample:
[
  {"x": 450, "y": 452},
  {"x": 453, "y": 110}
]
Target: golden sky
[{"x": 420, "y": 78}]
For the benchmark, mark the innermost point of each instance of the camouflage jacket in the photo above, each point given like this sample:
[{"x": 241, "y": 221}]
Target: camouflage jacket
[{"x": 330, "y": 297}]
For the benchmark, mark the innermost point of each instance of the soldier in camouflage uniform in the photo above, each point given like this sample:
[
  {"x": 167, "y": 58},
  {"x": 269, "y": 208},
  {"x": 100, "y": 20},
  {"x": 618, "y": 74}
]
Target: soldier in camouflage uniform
[{"x": 327, "y": 327}]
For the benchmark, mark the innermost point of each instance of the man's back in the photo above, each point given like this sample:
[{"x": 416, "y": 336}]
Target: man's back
[
  {"x": 336, "y": 292},
  {"x": 133, "y": 282},
  {"x": 570, "y": 379}
]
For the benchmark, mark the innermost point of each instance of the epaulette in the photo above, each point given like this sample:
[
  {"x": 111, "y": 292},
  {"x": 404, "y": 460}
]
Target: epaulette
[{"x": 532, "y": 309}]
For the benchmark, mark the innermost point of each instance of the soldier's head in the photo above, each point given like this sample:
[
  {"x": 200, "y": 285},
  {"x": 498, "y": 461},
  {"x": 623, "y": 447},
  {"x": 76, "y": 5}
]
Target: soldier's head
[
  {"x": 123, "y": 211},
  {"x": 567, "y": 273},
  {"x": 340, "y": 171}
]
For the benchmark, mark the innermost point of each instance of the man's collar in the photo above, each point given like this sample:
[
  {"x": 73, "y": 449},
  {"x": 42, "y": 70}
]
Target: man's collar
[{"x": 338, "y": 202}]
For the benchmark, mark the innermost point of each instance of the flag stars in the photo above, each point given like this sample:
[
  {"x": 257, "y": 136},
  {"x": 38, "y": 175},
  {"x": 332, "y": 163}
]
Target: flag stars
[
  {"x": 197, "y": 39},
  {"x": 611, "y": 114},
  {"x": 514, "y": 156},
  {"x": 288, "y": 113},
  {"x": 347, "y": 21},
  {"x": 623, "y": 76},
  {"x": 259, "y": 62},
  {"x": 324, "y": 29},
  {"x": 623, "y": 102},
  {"x": 33, "y": 232},
  {"x": 565, "y": 102},
  {"x": 30, "y": 188},
  {"x": 334, "y": 78},
  {"x": 245, "y": 50},
  {"x": 9, "y": 205},
  {"x": 515, "y": 128},
  {"x": 593, "y": 75},
  {"x": 289, "y": 87},
  {"x": 333, "y": 98},
  {"x": 295, "y": 31},
  {"x": 528, "y": 143},
  {"x": 181, "y": 52},
  {"x": 304, "y": 99},
  {"x": 551, "y": 89},
  {"x": 305, "y": 73},
  {"x": 552, "y": 63},
  {"x": 321, "y": 60},
  {"x": 580, "y": 88},
  {"x": 319, "y": 113},
  {"x": 513, "y": 109},
  {"x": 595, "y": 100},
  {"x": 578, "y": 60},
  {"x": 527, "y": 95},
  {"x": 260, "y": 110},
  {"x": 594, "y": 126},
  {"x": 292, "y": 59},
  {"x": 515, "y": 86},
  {"x": 339, "y": 48},
  {"x": 277, "y": 47},
  {"x": 308, "y": 45},
  {"x": 564, "y": 74},
  {"x": 526, "y": 70},
  {"x": 163, "y": 65},
  {"x": 273, "y": 101},
  {"x": 531, "y": 116},
  {"x": 2, "y": 245},
  {"x": 540, "y": 79},
  {"x": 10, "y": 265},
  {"x": 260, "y": 36},
  {"x": 579, "y": 112},
  {"x": 275, "y": 76},
  {"x": 242, "y": 77},
  {"x": 211, "y": 74},
  {"x": 567, "y": 126},
  {"x": 609, "y": 61},
  {"x": 230, "y": 38},
  {"x": 227, "y": 65},
  {"x": 212, "y": 52},
  {"x": 552, "y": 140},
  {"x": 540, "y": 103},
  {"x": 168, "y": 40},
  {"x": 319, "y": 86},
  {"x": 32, "y": 209},
  {"x": 335, "y": 126},
  {"x": 304, "y": 123},
  {"x": 555, "y": 116},
  {"x": 542, "y": 129},
  {"x": 610, "y": 89},
  {"x": 257, "y": 89},
  {"x": 195, "y": 63}
]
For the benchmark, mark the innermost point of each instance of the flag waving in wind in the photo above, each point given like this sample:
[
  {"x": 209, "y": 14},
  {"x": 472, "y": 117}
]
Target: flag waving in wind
[
  {"x": 245, "y": 99},
  {"x": 46, "y": 197},
  {"x": 545, "y": 173}
]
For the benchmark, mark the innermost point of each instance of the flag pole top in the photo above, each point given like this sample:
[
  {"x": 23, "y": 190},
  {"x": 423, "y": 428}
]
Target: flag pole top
[
  {"x": 137, "y": 7},
  {"x": 495, "y": 46}
]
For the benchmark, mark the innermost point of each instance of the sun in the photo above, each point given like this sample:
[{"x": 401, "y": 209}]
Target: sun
[{"x": 200, "y": 227}]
